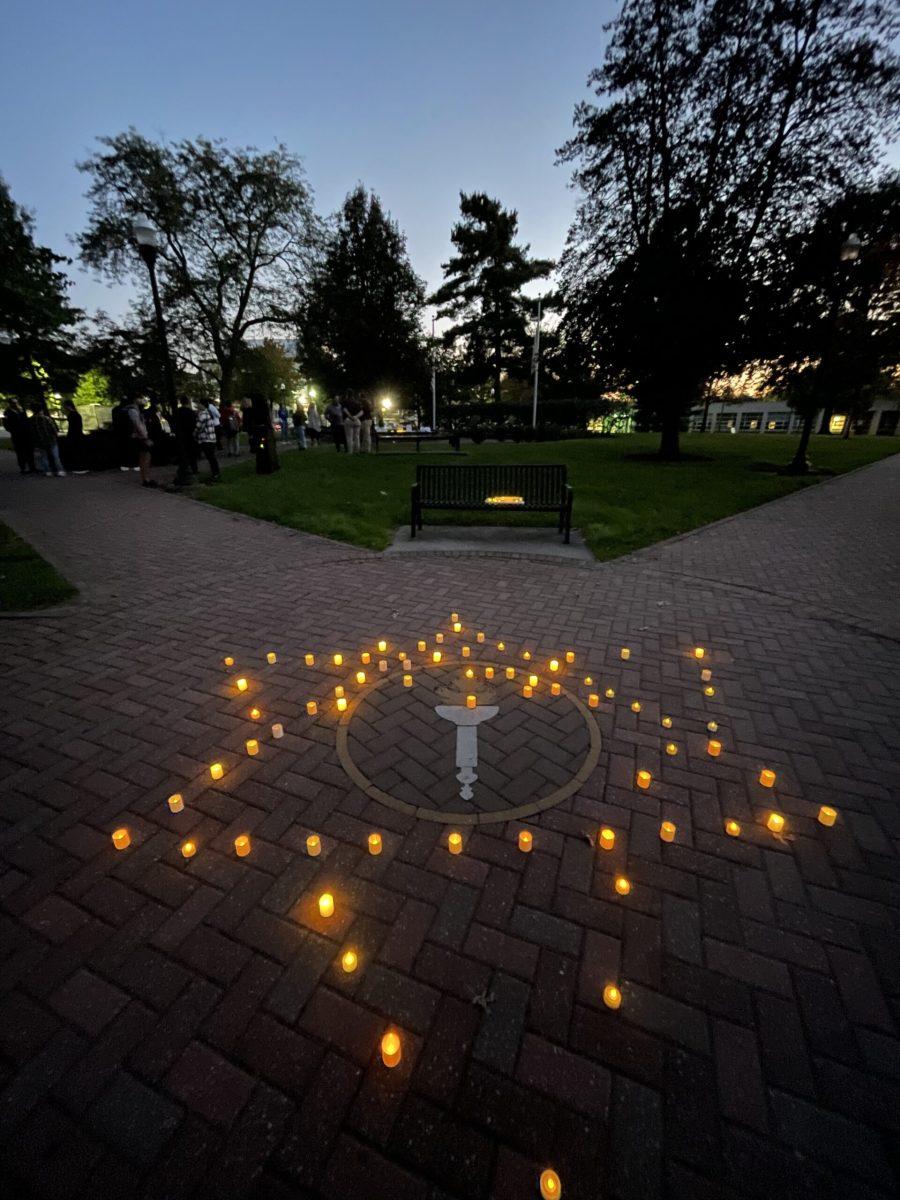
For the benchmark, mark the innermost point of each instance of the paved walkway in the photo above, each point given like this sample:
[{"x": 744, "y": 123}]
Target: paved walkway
[{"x": 183, "y": 1028}]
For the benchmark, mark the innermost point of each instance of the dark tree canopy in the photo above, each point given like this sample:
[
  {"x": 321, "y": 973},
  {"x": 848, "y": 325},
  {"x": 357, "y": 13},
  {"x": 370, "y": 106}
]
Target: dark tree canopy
[
  {"x": 36, "y": 318},
  {"x": 721, "y": 126},
  {"x": 482, "y": 288},
  {"x": 266, "y": 369},
  {"x": 360, "y": 327},
  {"x": 238, "y": 233}
]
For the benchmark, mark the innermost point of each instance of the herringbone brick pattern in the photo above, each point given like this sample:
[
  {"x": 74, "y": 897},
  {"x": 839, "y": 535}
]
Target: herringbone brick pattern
[{"x": 183, "y": 1028}]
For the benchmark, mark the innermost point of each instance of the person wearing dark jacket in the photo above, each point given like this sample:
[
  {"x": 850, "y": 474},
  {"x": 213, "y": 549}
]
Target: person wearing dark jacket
[
  {"x": 185, "y": 424},
  {"x": 15, "y": 422},
  {"x": 74, "y": 443}
]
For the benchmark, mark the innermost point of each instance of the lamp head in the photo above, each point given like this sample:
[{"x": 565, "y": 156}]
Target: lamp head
[
  {"x": 851, "y": 248},
  {"x": 144, "y": 232}
]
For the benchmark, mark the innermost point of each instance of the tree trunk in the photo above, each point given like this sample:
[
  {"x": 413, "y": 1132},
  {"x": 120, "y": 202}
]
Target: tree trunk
[
  {"x": 800, "y": 464},
  {"x": 498, "y": 366},
  {"x": 826, "y": 419},
  {"x": 845, "y": 432},
  {"x": 669, "y": 441}
]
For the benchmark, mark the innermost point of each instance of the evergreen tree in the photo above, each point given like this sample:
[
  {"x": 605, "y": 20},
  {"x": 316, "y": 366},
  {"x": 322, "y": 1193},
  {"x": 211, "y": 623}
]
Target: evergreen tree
[
  {"x": 360, "y": 326},
  {"x": 35, "y": 316},
  {"x": 482, "y": 288}
]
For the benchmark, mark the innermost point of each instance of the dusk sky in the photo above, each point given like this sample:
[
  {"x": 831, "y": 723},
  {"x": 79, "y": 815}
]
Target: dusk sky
[{"x": 417, "y": 100}]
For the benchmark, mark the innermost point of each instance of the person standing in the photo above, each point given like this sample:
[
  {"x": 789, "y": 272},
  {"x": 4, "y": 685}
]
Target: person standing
[
  {"x": 365, "y": 428},
  {"x": 140, "y": 440},
  {"x": 217, "y": 420},
  {"x": 283, "y": 421},
  {"x": 313, "y": 422},
  {"x": 185, "y": 424},
  {"x": 205, "y": 433},
  {"x": 45, "y": 433},
  {"x": 248, "y": 423},
  {"x": 74, "y": 438},
  {"x": 15, "y": 422},
  {"x": 230, "y": 427},
  {"x": 121, "y": 433},
  {"x": 352, "y": 423},
  {"x": 299, "y": 419},
  {"x": 334, "y": 414}
]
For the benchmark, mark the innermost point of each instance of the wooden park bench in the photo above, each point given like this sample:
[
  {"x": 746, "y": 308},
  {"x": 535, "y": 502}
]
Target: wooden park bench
[{"x": 515, "y": 488}]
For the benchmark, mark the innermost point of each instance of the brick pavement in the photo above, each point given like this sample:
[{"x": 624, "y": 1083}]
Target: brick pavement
[{"x": 176, "y": 1028}]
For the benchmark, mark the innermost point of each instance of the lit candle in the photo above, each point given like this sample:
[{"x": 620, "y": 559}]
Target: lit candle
[
  {"x": 643, "y": 779},
  {"x": 326, "y": 905},
  {"x": 827, "y": 815},
  {"x": 374, "y": 843},
  {"x": 216, "y": 770},
  {"x": 551, "y": 1188},
  {"x": 338, "y": 659},
  {"x": 382, "y": 665},
  {"x": 712, "y": 726},
  {"x": 255, "y": 713},
  {"x": 407, "y": 681},
  {"x": 612, "y": 997},
  {"x": 699, "y": 652},
  {"x": 554, "y": 664},
  {"x": 390, "y": 1049},
  {"x": 349, "y": 961},
  {"x": 342, "y": 704},
  {"x": 622, "y": 885},
  {"x": 271, "y": 657},
  {"x": 277, "y": 730},
  {"x": 636, "y": 706},
  {"x": 610, "y": 693},
  {"x": 510, "y": 672},
  {"x": 382, "y": 646},
  {"x": 338, "y": 691},
  {"x": 436, "y": 656},
  {"x": 501, "y": 645},
  {"x": 360, "y": 677},
  {"x": 588, "y": 680},
  {"x": 667, "y": 831},
  {"x": 775, "y": 822},
  {"x": 365, "y": 658},
  {"x": 189, "y": 849},
  {"x": 313, "y": 845},
  {"x": 713, "y": 748},
  {"x": 176, "y": 802},
  {"x": 121, "y": 839},
  {"x": 570, "y": 656},
  {"x": 439, "y": 637},
  {"x": 457, "y": 627},
  {"x": 525, "y": 841},
  {"x": 625, "y": 653},
  {"x": 533, "y": 680},
  {"x": 241, "y": 684},
  {"x": 229, "y": 661},
  {"x": 489, "y": 672},
  {"x": 479, "y": 637},
  {"x": 466, "y": 651},
  {"x": 471, "y": 701},
  {"x": 671, "y": 749},
  {"x": 454, "y": 616},
  {"x": 406, "y": 664},
  {"x": 767, "y": 777},
  {"x": 593, "y": 700},
  {"x": 706, "y": 674},
  {"x": 555, "y": 689},
  {"x": 607, "y": 838},
  {"x": 527, "y": 691},
  {"x": 454, "y": 843},
  {"x": 310, "y": 660},
  {"x": 709, "y": 690},
  {"x": 732, "y": 828},
  {"x": 420, "y": 645},
  {"x": 242, "y": 846},
  {"x": 666, "y": 722},
  {"x": 311, "y": 708},
  {"x": 252, "y": 746}
]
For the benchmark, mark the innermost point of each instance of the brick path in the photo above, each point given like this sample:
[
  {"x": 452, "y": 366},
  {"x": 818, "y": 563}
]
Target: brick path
[{"x": 183, "y": 1029}]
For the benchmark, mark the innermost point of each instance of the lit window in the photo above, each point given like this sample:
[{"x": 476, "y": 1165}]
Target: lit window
[{"x": 837, "y": 423}]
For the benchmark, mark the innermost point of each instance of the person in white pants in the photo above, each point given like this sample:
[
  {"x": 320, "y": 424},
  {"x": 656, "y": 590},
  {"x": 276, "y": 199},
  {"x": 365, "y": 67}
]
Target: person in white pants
[{"x": 352, "y": 424}]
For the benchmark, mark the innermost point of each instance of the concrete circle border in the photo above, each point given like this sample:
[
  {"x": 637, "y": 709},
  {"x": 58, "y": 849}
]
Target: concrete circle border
[{"x": 521, "y": 813}]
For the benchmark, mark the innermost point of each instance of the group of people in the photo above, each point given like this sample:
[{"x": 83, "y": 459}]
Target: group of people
[
  {"x": 35, "y": 437},
  {"x": 351, "y": 421}
]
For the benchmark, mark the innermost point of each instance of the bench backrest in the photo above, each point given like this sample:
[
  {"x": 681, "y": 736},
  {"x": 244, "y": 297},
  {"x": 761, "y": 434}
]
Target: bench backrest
[{"x": 539, "y": 484}]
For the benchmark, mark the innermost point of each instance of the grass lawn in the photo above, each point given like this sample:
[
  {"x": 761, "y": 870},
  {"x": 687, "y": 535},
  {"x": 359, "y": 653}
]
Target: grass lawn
[
  {"x": 620, "y": 505},
  {"x": 26, "y": 581}
]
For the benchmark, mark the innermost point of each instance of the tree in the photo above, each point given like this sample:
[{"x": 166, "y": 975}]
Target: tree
[
  {"x": 92, "y": 388},
  {"x": 36, "y": 318},
  {"x": 267, "y": 369},
  {"x": 237, "y": 228},
  {"x": 360, "y": 327},
  {"x": 827, "y": 317},
  {"x": 722, "y": 125},
  {"x": 482, "y": 289}
]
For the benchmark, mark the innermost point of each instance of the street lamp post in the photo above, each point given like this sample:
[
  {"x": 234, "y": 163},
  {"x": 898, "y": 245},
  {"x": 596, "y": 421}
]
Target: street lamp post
[
  {"x": 848, "y": 253},
  {"x": 147, "y": 240}
]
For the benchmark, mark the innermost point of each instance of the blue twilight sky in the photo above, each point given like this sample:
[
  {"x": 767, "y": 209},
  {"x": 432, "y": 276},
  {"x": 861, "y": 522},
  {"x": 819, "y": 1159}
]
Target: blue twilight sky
[{"x": 417, "y": 99}]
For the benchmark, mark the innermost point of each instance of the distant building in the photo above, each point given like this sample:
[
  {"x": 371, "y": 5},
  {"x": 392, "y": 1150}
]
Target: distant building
[{"x": 757, "y": 415}]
